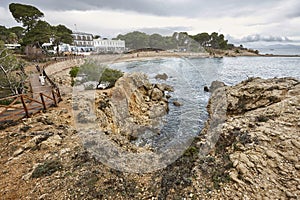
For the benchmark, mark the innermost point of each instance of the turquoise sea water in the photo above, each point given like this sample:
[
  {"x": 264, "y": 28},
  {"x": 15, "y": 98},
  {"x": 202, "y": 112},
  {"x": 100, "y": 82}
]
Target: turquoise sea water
[{"x": 189, "y": 76}]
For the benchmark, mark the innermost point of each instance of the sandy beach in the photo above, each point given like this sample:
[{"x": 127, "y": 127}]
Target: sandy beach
[{"x": 151, "y": 55}]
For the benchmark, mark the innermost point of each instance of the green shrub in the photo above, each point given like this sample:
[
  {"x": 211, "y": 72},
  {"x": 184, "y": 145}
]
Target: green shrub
[
  {"x": 91, "y": 70},
  {"x": 6, "y": 101},
  {"x": 74, "y": 71},
  {"x": 111, "y": 76}
]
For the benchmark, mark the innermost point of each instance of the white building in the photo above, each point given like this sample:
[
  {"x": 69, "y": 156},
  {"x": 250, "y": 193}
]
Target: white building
[
  {"x": 12, "y": 46},
  {"x": 83, "y": 42},
  {"x": 109, "y": 46}
]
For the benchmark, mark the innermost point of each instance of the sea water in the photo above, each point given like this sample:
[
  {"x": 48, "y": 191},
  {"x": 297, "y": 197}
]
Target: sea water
[{"x": 189, "y": 76}]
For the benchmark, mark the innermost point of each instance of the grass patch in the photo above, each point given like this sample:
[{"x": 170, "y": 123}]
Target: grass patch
[
  {"x": 46, "y": 169},
  {"x": 262, "y": 118}
]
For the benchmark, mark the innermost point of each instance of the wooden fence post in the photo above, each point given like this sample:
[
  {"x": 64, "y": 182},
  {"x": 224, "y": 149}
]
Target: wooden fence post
[
  {"x": 24, "y": 106},
  {"x": 58, "y": 94},
  {"x": 54, "y": 98},
  {"x": 43, "y": 101}
]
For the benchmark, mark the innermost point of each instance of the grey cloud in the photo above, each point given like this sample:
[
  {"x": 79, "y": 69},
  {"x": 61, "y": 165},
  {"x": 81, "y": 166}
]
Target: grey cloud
[
  {"x": 294, "y": 13},
  {"x": 199, "y": 9},
  {"x": 191, "y": 8},
  {"x": 166, "y": 30},
  {"x": 261, "y": 38}
]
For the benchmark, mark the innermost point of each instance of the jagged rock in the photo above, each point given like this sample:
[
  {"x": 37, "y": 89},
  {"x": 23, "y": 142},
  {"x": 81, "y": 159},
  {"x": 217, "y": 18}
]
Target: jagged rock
[
  {"x": 271, "y": 154},
  {"x": 157, "y": 111},
  {"x": 206, "y": 89},
  {"x": 52, "y": 141},
  {"x": 243, "y": 137},
  {"x": 257, "y": 93},
  {"x": 215, "y": 85},
  {"x": 18, "y": 152},
  {"x": 133, "y": 103},
  {"x": 25, "y": 128},
  {"x": 176, "y": 103},
  {"x": 163, "y": 76},
  {"x": 260, "y": 134},
  {"x": 156, "y": 94},
  {"x": 168, "y": 88},
  {"x": 85, "y": 117}
]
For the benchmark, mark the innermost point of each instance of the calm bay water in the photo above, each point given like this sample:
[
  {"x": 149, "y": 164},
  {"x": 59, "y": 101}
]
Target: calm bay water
[{"x": 189, "y": 76}]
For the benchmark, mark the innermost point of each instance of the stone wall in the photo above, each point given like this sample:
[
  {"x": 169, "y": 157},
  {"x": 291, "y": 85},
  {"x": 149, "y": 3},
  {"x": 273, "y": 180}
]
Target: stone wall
[{"x": 60, "y": 66}]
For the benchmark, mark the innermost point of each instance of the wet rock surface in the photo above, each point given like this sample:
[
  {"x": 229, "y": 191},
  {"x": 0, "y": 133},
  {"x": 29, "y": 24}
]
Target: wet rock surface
[{"x": 255, "y": 156}]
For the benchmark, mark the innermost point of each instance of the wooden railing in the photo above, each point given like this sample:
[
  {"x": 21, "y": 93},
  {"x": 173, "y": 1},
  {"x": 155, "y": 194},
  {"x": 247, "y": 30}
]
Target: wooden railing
[{"x": 24, "y": 105}]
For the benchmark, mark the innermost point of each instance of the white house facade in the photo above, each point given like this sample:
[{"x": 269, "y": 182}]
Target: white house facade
[
  {"x": 83, "y": 42},
  {"x": 109, "y": 46}
]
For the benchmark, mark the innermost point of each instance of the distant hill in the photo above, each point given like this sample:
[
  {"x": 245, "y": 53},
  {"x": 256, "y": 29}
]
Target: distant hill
[
  {"x": 282, "y": 46},
  {"x": 280, "y": 49}
]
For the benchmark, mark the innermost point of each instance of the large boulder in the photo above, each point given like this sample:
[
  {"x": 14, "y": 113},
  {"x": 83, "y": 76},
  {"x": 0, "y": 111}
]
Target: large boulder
[
  {"x": 133, "y": 103},
  {"x": 215, "y": 85},
  {"x": 258, "y": 93},
  {"x": 156, "y": 94},
  {"x": 163, "y": 76}
]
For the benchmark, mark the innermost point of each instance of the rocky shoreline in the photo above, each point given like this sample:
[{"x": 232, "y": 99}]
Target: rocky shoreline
[
  {"x": 125, "y": 111},
  {"x": 259, "y": 140},
  {"x": 248, "y": 149}
]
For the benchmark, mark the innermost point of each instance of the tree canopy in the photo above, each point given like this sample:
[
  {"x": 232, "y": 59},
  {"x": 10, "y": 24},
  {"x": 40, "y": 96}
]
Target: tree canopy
[
  {"x": 139, "y": 40},
  {"x": 36, "y": 30},
  {"x": 111, "y": 76},
  {"x": 39, "y": 34},
  {"x": 214, "y": 40},
  {"x": 11, "y": 35},
  {"x": 12, "y": 74},
  {"x": 61, "y": 34},
  {"x": 135, "y": 40},
  {"x": 26, "y": 14},
  {"x": 179, "y": 40}
]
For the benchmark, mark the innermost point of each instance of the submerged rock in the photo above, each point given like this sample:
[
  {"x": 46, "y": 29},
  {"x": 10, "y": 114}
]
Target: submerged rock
[
  {"x": 163, "y": 76},
  {"x": 206, "y": 89},
  {"x": 176, "y": 103}
]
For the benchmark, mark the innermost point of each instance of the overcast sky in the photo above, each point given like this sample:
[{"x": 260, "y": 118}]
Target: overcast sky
[{"x": 266, "y": 21}]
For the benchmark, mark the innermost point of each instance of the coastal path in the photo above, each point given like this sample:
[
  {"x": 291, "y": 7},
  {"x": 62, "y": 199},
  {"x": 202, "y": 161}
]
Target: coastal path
[{"x": 42, "y": 97}]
